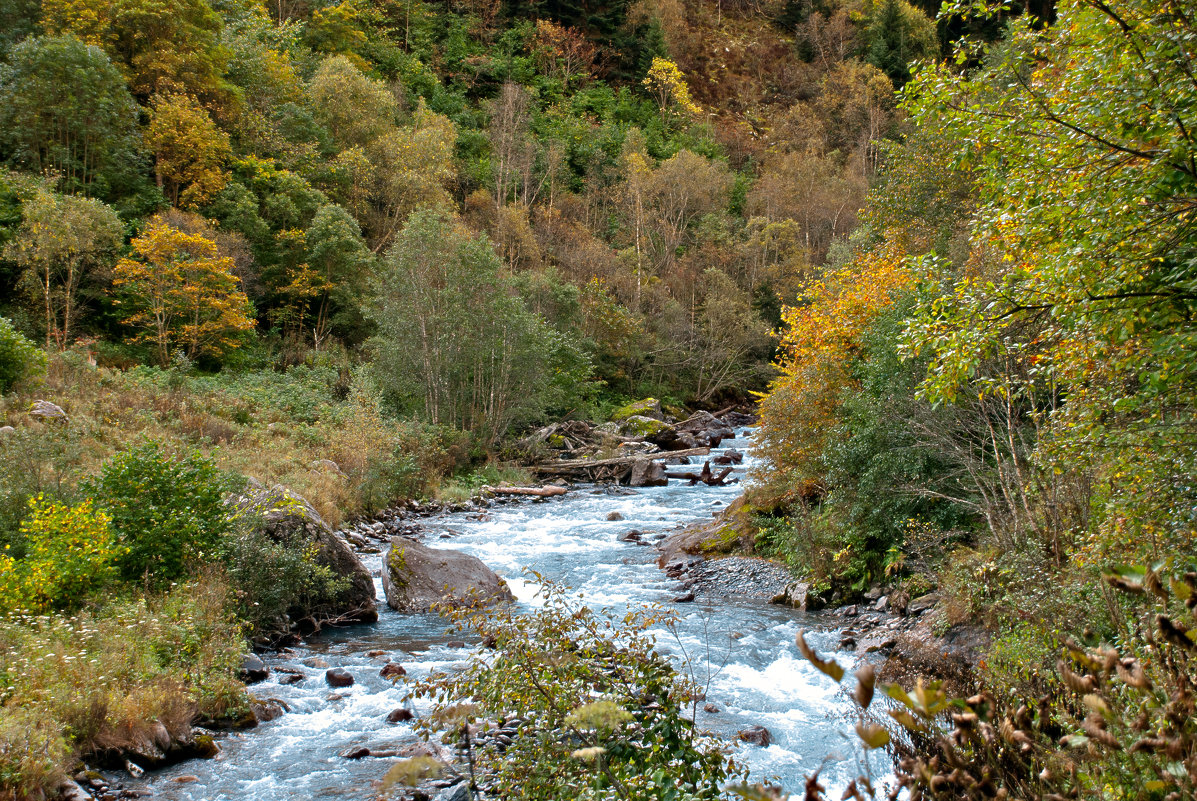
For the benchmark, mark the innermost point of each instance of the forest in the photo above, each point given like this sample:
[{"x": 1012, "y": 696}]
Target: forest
[{"x": 362, "y": 248}]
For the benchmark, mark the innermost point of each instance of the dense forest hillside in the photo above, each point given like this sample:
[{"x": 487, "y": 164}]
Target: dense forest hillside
[{"x": 361, "y": 248}]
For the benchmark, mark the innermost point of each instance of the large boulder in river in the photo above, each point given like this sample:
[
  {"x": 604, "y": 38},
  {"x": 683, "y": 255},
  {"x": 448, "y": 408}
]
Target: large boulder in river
[
  {"x": 704, "y": 428},
  {"x": 416, "y": 577},
  {"x": 642, "y": 427},
  {"x": 288, "y": 519}
]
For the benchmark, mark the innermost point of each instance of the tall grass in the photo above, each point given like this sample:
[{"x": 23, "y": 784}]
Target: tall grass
[{"x": 111, "y": 679}]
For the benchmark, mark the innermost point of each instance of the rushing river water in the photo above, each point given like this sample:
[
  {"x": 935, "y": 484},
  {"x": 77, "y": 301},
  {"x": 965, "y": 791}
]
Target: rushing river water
[{"x": 755, "y": 677}]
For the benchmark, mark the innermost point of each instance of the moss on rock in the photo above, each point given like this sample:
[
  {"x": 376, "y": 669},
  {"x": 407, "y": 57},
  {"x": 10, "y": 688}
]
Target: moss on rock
[{"x": 649, "y": 407}]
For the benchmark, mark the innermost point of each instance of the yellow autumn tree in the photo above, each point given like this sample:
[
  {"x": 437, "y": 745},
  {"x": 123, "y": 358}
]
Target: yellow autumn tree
[
  {"x": 821, "y": 336},
  {"x": 668, "y": 85},
  {"x": 190, "y": 152},
  {"x": 182, "y": 293}
]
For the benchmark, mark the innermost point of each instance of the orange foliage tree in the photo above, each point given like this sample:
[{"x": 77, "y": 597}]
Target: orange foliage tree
[
  {"x": 183, "y": 293},
  {"x": 821, "y": 337}
]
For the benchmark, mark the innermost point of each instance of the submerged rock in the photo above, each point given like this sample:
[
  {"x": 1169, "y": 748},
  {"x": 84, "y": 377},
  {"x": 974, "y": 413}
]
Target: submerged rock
[{"x": 416, "y": 577}]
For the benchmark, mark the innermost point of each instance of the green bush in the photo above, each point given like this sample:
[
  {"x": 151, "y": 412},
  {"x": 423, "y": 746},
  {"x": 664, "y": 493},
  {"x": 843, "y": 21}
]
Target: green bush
[
  {"x": 167, "y": 510},
  {"x": 273, "y": 582},
  {"x": 605, "y": 715},
  {"x": 19, "y": 357}
]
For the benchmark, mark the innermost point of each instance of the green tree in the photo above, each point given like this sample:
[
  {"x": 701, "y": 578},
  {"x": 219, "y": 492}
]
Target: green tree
[
  {"x": 899, "y": 34},
  {"x": 336, "y": 251},
  {"x": 1083, "y": 253},
  {"x": 66, "y": 113},
  {"x": 454, "y": 340},
  {"x": 63, "y": 240}
]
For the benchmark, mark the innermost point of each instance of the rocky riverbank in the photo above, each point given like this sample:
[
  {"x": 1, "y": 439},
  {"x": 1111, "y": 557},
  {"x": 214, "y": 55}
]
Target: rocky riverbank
[{"x": 908, "y": 637}]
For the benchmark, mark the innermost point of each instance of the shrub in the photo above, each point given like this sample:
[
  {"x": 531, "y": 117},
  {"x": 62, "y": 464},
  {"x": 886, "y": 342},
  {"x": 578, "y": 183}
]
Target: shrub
[
  {"x": 19, "y": 357},
  {"x": 604, "y": 714},
  {"x": 1119, "y": 721},
  {"x": 167, "y": 510},
  {"x": 273, "y": 580},
  {"x": 70, "y": 552}
]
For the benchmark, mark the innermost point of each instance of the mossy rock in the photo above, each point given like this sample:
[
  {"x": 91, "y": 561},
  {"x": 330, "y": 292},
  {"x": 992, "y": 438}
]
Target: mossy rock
[
  {"x": 649, "y": 407},
  {"x": 725, "y": 540},
  {"x": 644, "y": 427}
]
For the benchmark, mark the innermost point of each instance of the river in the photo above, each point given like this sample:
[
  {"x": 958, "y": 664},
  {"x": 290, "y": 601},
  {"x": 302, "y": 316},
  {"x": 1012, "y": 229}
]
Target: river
[{"x": 755, "y": 677}]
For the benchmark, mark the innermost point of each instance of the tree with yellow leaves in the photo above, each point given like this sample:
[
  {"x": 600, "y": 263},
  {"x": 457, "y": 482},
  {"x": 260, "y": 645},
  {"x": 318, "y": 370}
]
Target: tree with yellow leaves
[
  {"x": 183, "y": 293},
  {"x": 666, "y": 82},
  {"x": 190, "y": 152},
  {"x": 822, "y": 335}
]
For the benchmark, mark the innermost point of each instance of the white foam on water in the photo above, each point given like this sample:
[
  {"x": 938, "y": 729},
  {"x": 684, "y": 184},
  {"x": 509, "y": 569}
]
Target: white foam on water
[{"x": 785, "y": 679}]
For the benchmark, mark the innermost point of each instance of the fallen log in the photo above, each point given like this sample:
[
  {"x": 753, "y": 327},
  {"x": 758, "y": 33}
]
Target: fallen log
[
  {"x": 575, "y": 465},
  {"x": 539, "y": 492}
]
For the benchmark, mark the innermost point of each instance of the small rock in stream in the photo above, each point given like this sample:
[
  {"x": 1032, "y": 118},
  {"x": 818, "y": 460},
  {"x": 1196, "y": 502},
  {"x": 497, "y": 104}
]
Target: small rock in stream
[
  {"x": 253, "y": 669},
  {"x": 757, "y": 735},
  {"x": 338, "y": 677},
  {"x": 400, "y": 715},
  {"x": 392, "y": 670}
]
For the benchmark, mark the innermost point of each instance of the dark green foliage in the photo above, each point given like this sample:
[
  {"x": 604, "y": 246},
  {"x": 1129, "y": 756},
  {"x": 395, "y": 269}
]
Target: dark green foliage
[
  {"x": 65, "y": 110},
  {"x": 275, "y": 582},
  {"x": 19, "y": 357},
  {"x": 899, "y": 34},
  {"x": 19, "y": 19},
  {"x": 883, "y": 469},
  {"x": 167, "y": 510}
]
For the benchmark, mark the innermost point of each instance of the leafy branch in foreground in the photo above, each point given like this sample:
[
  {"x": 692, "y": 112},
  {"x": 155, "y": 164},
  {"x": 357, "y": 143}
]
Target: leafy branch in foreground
[
  {"x": 600, "y": 713},
  {"x": 1119, "y": 722}
]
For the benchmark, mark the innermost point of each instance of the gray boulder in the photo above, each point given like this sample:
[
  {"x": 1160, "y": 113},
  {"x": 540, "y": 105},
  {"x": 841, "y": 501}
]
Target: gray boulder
[
  {"x": 416, "y": 577},
  {"x": 287, "y": 518},
  {"x": 48, "y": 411},
  {"x": 647, "y": 473}
]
